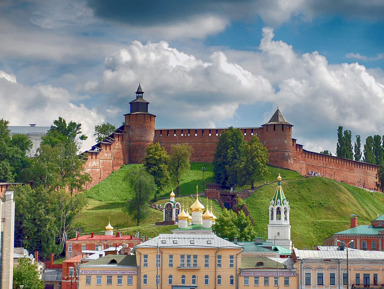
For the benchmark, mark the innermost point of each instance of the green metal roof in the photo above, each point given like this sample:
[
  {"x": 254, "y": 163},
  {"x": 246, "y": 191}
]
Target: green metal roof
[
  {"x": 260, "y": 262},
  {"x": 117, "y": 260},
  {"x": 265, "y": 247},
  {"x": 361, "y": 230},
  {"x": 279, "y": 194},
  {"x": 381, "y": 218}
]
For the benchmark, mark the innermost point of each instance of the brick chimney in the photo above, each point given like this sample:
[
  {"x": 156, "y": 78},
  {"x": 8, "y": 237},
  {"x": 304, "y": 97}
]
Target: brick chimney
[
  {"x": 353, "y": 221},
  {"x": 92, "y": 235}
]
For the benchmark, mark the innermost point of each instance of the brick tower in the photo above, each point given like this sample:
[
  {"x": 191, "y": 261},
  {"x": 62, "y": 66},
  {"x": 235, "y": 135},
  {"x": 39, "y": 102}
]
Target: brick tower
[
  {"x": 139, "y": 129},
  {"x": 277, "y": 138}
]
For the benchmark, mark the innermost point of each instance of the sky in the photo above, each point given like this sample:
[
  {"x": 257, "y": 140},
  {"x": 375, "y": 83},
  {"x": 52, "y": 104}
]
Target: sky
[{"x": 201, "y": 64}]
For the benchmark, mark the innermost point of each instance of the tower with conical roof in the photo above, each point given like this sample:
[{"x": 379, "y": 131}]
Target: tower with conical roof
[
  {"x": 197, "y": 210},
  {"x": 139, "y": 129},
  {"x": 279, "y": 229},
  {"x": 277, "y": 138}
]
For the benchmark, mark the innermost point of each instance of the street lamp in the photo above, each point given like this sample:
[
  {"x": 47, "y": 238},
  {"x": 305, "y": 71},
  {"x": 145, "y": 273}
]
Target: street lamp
[{"x": 352, "y": 241}]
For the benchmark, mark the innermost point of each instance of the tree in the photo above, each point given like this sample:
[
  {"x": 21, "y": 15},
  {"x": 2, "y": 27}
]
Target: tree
[
  {"x": 156, "y": 163},
  {"x": 143, "y": 187},
  {"x": 26, "y": 273},
  {"x": 340, "y": 142},
  {"x": 103, "y": 130},
  {"x": 226, "y": 158},
  {"x": 230, "y": 225},
  {"x": 13, "y": 154},
  {"x": 326, "y": 152},
  {"x": 369, "y": 154},
  {"x": 378, "y": 149},
  {"x": 344, "y": 144},
  {"x": 179, "y": 162},
  {"x": 357, "y": 149},
  {"x": 252, "y": 165}
]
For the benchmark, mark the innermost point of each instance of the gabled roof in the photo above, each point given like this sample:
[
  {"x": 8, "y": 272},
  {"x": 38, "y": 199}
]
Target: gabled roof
[
  {"x": 113, "y": 260},
  {"x": 278, "y": 118},
  {"x": 361, "y": 230}
]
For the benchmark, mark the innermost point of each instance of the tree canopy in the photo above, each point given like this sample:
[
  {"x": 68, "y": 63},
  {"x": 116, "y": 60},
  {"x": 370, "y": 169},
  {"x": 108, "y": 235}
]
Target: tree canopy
[
  {"x": 103, "y": 130},
  {"x": 231, "y": 225},
  {"x": 156, "y": 163},
  {"x": 26, "y": 274},
  {"x": 179, "y": 163}
]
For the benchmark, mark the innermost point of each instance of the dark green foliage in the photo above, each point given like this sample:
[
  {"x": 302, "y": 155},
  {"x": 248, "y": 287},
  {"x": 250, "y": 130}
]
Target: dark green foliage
[
  {"x": 252, "y": 165},
  {"x": 144, "y": 188},
  {"x": 369, "y": 154},
  {"x": 103, "y": 130},
  {"x": 344, "y": 144},
  {"x": 156, "y": 163},
  {"x": 179, "y": 163},
  {"x": 378, "y": 150},
  {"x": 226, "y": 158},
  {"x": 13, "y": 155},
  {"x": 43, "y": 218},
  {"x": 27, "y": 274},
  {"x": 230, "y": 225},
  {"x": 326, "y": 152},
  {"x": 357, "y": 149}
]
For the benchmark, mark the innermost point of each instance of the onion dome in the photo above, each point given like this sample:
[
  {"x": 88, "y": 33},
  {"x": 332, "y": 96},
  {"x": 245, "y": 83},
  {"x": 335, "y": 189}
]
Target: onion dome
[
  {"x": 279, "y": 194},
  {"x": 109, "y": 227},
  {"x": 207, "y": 215},
  {"x": 197, "y": 206},
  {"x": 182, "y": 216},
  {"x": 172, "y": 195}
]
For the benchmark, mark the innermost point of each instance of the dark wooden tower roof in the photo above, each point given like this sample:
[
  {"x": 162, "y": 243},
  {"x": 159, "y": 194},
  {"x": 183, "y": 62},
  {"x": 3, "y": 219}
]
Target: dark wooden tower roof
[{"x": 139, "y": 105}]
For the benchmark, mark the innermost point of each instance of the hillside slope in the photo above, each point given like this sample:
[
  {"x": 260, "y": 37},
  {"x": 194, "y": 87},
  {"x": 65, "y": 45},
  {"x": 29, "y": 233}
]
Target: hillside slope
[{"x": 319, "y": 206}]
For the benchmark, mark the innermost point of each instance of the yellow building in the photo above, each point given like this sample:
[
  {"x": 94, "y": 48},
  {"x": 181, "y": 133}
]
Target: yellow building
[{"x": 183, "y": 260}]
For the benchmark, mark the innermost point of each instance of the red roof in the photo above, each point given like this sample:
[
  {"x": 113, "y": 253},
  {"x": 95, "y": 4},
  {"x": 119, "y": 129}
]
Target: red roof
[
  {"x": 75, "y": 259},
  {"x": 104, "y": 238}
]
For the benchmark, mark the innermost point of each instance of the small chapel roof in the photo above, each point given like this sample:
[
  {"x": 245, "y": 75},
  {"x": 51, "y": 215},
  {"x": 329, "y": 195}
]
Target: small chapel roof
[
  {"x": 279, "y": 193},
  {"x": 278, "y": 118}
]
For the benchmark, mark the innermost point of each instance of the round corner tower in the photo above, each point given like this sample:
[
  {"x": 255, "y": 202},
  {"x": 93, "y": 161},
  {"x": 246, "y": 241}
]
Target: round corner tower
[
  {"x": 277, "y": 138},
  {"x": 139, "y": 129}
]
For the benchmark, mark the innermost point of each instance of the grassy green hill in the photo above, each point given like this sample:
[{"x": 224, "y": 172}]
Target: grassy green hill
[{"x": 319, "y": 206}]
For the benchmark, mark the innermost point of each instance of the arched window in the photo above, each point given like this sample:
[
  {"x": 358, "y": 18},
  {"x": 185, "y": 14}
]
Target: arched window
[
  {"x": 271, "y": 214},
  {"x": 278, "y": 213},
  {"x": 218, "y": 279},
  {"x": 193, "y": 279},
  {"x": 231, "y": 280},
  {"x": 206, "y": 280},
  {"x": 145, "y": 280},
  {"x": 182, "y": 279},
  {"x": 170, "y": 280},
  {"x": 285, "y": 214}
]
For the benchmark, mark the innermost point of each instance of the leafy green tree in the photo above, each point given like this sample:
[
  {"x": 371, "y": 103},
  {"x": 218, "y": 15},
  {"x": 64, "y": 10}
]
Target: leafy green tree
[
  {"x": 179, "y": 163},
  {"x": 357, "y": 149},
  {"x": 253, "y": 162},
  {"x": 26, "y": 273},
  {"x": 344, "y": 144},
  {"x": 226, "y": 158},
  {"x": 378, "y": 149},
  {"x": 340, "y": 142},
  {"x": 156, "y": 163},
  {"x": 13, "y": 154},
  {"x": 230, "y": 225},
  {"x": 143, "y": 187},
  {"x": 103, "y": 130},
  {"x": 369, "y": 154},
  {"x": 326, "y": 152}
]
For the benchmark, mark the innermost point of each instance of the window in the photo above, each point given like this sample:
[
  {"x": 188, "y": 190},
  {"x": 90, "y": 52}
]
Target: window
[
  {"x": 88, "y": 280},
  {"x": 98, "y": 280},
  {"x": 231, "y": 261},
  {"x": 320, "y": 279},
  {"x": 145, "y": 280},
  {"x": 345, "y": 279},
  {"x": 145, "y": 260},
  {"x": 206, "y": 261},
  {"x": 170, "y": 280},
  {"x": 256, "y": 281},
  {"x": 366, "y": 279},
  {"x": 119, "y": 280},
  {"x": 246, "y": 280},
  {"x": 218, "y": 265},
  {"x": 266, "y": 281},
  {"x": 69, "y": 248},
  {"x": 374, "y": 245},
  {"x": 188, "y": 261},
  {"x": 158, "y": 261},
  {"x": 375, "y": 279},
  {"x": 332, "y": 278},
  {"x": 218, "y": 279},
  {"x": 275, "y": 281},
  {"x": 170, "y": 261},
  {"x": 231, "y": 280},
  {"x": 364, "y": 245},
  {"x": 157, "y": 279},
  {"x": 357, "y": 279},
  {"x": 109, "y": 280},
  {"x": 83, "y": 247},
  {"x": 206, "y": 280},
  {"x": 352, "y": 245},
  {"x": 195, "y": 261},
  {"x": 194, "y": 279},
  {"x": 130, "y": 280},
  {"x": 71, "y": 271},
  {"x": 99, "y": 248},
  {"x": 183, "y": 279},
  {"x": 286, "y": 281},
  {"x": 307, "y": 279},
  {"x": 182, "y": 261}
]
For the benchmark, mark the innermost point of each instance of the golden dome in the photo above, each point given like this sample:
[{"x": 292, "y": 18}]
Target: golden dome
[
  {"x": 172, "y": 195},
  {"x": 279, "y": 178},
  {"x": 109, "y": 227},
  {"x": 197, "y": 206},
  {"x": 207, "y": 215},
  {"x": 182, "y": 216}
]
